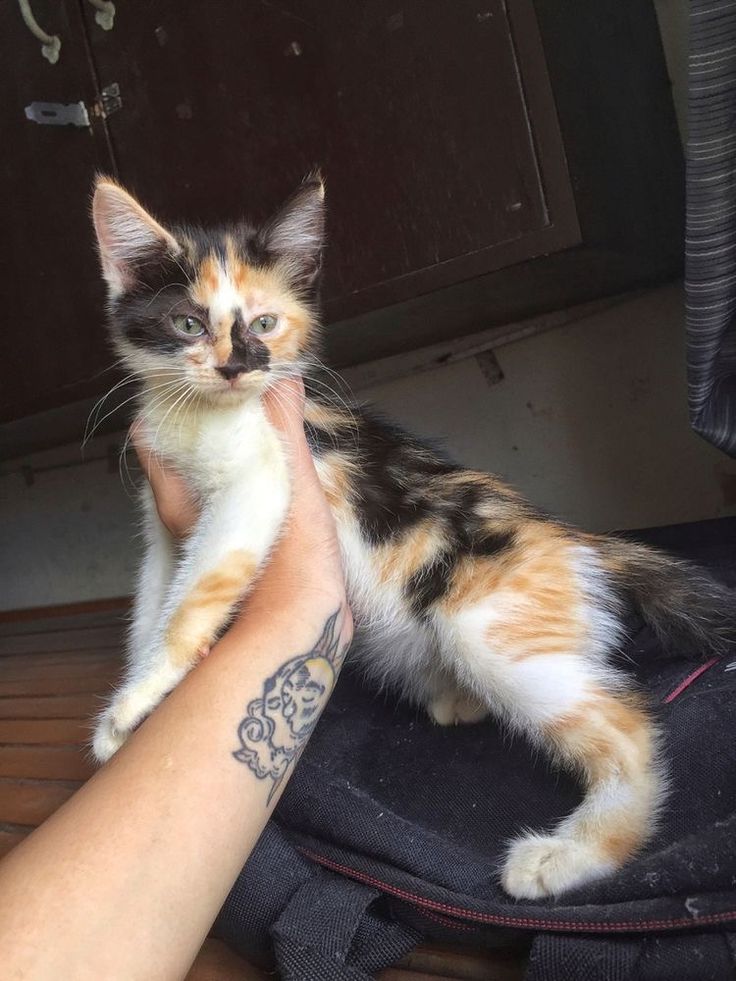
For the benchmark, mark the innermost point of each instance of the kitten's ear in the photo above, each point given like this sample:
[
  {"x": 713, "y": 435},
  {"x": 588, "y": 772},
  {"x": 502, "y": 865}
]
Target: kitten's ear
[
  {"x": 126, "y": 235},
  {"x": 296, "y": 232}
]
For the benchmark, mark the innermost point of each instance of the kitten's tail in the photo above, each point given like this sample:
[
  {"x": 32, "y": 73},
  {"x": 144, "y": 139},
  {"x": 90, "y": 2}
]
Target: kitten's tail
[{"x": 679, "y": 601}]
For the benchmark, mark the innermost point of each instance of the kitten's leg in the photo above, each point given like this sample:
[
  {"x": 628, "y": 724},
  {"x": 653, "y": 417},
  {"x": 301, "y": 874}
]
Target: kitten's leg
[
  {"x": 536, "y": 645},
  {"x": 572, "y": 709},
  {"x": 218, "y": 567},
  {"x": 154, "y": 578},
  {"x": 452, "y": 707},
  {"x": 609, "y": 740}
]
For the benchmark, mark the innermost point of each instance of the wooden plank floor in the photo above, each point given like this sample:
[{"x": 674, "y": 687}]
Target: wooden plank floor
[{"x": 56, "y": 667}]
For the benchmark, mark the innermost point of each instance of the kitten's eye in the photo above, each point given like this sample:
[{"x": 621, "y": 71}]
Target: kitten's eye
[
  {"x": 264, "y": 324},
  {"x": 188, "y": 325}
]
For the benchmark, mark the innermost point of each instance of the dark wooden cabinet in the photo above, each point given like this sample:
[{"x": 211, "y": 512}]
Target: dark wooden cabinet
[
  {"x": 434, "y": 127},
  {"x": 484, "y": 159},
  {"x": 54, "y": 344}
]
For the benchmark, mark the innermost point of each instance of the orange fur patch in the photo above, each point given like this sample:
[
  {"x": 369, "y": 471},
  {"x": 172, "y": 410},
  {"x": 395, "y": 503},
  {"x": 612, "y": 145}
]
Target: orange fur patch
[
  {"x": 196, "y": 622},
  {"x": 606, "y": 734},
  {"x": 611, "y": 738},
  {"x": 264, "y": 290},
  {"x": 203, "y": 292},
  {"x": 335, "y": 474},
  {"x": 326, "y": 417},
  {"x": 207, "y": 281},
  {"x": 540, "y": 603},
  {"x": 397, "y": 561}
]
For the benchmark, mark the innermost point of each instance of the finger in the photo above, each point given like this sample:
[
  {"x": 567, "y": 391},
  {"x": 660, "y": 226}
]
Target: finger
[
  {"x": 150, "y": 463},
  {"x": 284, "y": 404},
  {"x": 174, "y": 502}
]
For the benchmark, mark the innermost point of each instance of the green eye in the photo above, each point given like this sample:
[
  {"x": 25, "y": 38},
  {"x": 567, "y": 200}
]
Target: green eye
[
  {"x": 188, "y": 325},
  {"x": 264, "y": 324}
]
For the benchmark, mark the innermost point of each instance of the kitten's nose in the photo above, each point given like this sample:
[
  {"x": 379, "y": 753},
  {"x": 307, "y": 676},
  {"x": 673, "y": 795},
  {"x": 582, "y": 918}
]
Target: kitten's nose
[{"x": 231, "y": 370}]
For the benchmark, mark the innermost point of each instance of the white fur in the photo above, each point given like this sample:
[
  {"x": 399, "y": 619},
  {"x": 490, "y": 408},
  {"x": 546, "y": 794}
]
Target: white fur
[
  {"x": 394, "y": 647},
  {"x": 543, "y": 865},
  {"x": 124, "y": 233},
  {"x": 225, "y": 299},
  {"x": 235, "y": 460}
]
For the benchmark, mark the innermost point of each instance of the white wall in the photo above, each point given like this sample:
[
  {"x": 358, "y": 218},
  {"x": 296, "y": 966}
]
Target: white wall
[{"x": 589, "y": 422}]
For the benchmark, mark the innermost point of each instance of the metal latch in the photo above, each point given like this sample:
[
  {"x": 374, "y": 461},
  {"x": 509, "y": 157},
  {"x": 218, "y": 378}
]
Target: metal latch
[{"x": 75, "y": 113}]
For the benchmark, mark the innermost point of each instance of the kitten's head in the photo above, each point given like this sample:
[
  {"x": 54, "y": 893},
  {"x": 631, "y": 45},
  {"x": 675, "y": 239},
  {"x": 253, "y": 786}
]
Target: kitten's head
[{"x": 219, "y": 312}]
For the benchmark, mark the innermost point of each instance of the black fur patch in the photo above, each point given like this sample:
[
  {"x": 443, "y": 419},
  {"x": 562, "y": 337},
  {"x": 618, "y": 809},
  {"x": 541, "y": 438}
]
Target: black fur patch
[
  {"x": 248, "y": 351},
  {"x": 143, "y": 316},
  {"x": 401, "y": 482},
  {"x": 392, "y": 493},
  {"x": 430, "y": 583}
]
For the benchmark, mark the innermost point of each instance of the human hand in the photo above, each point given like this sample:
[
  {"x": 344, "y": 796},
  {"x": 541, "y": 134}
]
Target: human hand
[
  {"x": 308, "y": 552},
  {"x": 177, "y": 506}
]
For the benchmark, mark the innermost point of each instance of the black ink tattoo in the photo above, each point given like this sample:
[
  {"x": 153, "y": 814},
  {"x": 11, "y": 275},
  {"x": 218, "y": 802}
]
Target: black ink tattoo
[{"x": 277, "y": 726}]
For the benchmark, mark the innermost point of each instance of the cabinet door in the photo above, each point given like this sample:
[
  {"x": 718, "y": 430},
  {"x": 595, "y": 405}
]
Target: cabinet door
[
  {"x": 54, "y": 346},
  {"x": 432, "y": 121}
]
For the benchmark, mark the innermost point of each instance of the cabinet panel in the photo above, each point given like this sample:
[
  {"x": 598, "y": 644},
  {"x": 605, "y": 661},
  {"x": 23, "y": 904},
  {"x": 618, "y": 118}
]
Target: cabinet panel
[
  {"x": 446, "y": 130},
  {"x": 52, "y": 299},
  {"x": 418, "y": 114}
]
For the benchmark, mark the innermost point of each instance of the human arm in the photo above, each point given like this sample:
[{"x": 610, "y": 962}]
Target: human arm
[{"x": 125, "y": 880}]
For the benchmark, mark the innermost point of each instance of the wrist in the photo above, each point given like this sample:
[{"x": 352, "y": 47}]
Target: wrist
[{"x": 296, "y": 601}]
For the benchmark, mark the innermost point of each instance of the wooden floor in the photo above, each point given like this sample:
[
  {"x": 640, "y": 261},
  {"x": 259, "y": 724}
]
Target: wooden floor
[{"x": 56, "y": 666}]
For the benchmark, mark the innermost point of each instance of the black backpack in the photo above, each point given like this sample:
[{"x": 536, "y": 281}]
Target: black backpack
[{"x": 391, "y": 831}]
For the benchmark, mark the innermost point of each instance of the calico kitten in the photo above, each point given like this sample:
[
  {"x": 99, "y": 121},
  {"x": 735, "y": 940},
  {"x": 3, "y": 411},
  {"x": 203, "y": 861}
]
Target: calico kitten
[{"x": 469, "y": 600}]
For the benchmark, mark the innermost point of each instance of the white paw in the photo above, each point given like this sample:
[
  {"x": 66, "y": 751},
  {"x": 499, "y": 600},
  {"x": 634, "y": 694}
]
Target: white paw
[
  {"x": 452, "y": 709},
  {"x": 118, "y": 721},
  {"x": 544, "y": 865},
  {"x": 108, "y": 738}
]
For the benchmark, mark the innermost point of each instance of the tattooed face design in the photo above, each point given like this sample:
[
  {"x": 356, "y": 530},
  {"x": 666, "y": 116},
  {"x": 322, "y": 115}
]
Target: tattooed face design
[
  {"x": 296, "y": 698},
  {"x": 279, "y": 722}
]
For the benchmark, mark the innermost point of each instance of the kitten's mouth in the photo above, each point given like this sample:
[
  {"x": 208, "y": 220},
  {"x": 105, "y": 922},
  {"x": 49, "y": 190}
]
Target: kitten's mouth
[{"x": 239, "y": 388}]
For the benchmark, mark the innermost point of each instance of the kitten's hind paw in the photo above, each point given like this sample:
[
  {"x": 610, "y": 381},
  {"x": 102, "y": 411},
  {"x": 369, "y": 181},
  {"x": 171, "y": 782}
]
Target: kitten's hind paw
[
  {"x": 545, "y": 865},
  {"x": 452, "y": 709}
]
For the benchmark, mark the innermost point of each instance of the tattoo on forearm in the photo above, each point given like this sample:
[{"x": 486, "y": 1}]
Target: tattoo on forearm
[{"x": 279, "y": 723}]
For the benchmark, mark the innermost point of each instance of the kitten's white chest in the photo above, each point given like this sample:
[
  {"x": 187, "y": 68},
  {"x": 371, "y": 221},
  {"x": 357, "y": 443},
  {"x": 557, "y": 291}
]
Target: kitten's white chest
[{"x": 215, "y": 446}]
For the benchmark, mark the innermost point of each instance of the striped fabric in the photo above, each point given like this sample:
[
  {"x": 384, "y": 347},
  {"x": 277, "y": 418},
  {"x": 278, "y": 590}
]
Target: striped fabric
[{"x": 711, "y": 222}]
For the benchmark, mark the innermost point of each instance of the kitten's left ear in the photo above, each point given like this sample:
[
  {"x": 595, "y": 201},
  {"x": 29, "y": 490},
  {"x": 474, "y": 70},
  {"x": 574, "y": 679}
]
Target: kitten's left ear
[
  {"x": 296, "y": 232},
  {"x": 127, "y": 235}
]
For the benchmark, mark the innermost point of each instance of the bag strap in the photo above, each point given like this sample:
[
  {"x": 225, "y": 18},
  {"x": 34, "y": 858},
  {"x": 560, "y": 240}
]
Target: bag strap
[{"x": 333, "y": 930}]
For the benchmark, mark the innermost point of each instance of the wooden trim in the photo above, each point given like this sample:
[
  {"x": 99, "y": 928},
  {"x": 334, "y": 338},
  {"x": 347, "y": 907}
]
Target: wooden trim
[{"x": 112, "y": 605}]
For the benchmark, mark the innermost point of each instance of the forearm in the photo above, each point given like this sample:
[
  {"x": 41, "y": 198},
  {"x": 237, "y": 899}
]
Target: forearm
[{"x": 131, "y": 872}]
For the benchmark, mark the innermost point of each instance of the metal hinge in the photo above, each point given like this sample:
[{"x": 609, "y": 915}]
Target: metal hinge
[
  {"x": 75, "y": 113},
  {"x": 110, "y": 100}
]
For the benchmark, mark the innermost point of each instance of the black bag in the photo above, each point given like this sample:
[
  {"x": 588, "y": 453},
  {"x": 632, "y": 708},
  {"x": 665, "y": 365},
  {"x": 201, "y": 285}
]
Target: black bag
[{"x": 392, "y": 829}]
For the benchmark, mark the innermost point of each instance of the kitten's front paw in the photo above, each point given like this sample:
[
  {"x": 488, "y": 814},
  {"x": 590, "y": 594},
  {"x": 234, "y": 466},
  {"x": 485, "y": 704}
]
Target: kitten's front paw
[
  {"x": 452, "y": 709},
  {"x": 545, "y": 865},
  {"x": 108, "y": 737},
  {"x": 117, "y": 723}
]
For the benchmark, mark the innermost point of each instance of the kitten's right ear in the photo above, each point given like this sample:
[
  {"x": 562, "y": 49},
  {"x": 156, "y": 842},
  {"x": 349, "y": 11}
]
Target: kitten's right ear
[{"x": 126, "y": 235}]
